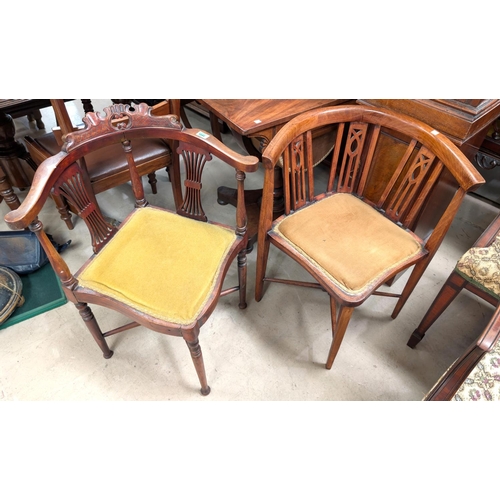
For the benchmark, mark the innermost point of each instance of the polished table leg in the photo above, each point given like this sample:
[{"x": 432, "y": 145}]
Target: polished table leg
[{"x": 7, "y": 193}]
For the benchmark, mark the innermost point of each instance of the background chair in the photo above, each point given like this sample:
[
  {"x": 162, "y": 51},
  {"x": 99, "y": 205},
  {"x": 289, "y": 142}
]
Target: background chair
[
  {"x": 107, "y": 168},
  {"x": 33, "y": 115},
  {"x": 475, "y": 376},
  {"x": 374, "y": 216},
  {"x": 477, "y": 271},
  {"x": 163, "y": 270}
]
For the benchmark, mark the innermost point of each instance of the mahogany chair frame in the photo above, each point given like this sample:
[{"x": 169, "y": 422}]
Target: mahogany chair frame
[
  {"x": 63, "y": 175},
  {"x": 450, "y": 382},
  {"x": 65, "y": 126},
  {"x": 399, "y": 189},
  {"x": 454, "y": 285}
]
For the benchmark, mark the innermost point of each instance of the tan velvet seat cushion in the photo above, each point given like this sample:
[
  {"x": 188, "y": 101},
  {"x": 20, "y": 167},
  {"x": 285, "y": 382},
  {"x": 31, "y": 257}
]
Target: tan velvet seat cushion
[
  {"x": 482, "y": 266},
  {"x": 161, "y": 264},
  {"x": 349, "y": 241}
]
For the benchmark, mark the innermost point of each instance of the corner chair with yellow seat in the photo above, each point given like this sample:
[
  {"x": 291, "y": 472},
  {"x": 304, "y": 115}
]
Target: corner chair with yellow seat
[
  {"x": 162, "y": 269},
  {"x": 374, "y": 215},
  {"x": 105, "y": 167}
]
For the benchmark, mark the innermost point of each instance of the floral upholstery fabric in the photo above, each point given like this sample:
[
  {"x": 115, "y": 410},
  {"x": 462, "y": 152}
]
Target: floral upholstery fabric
[
  {"x": 483, "y": 383},
  {"x": 482, "y": 265}
]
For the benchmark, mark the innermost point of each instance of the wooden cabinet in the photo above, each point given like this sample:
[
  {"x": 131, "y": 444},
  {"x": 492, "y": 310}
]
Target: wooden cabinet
[
  {"x": 469, "y": 123},
  {"x": 464, "y": 121}
]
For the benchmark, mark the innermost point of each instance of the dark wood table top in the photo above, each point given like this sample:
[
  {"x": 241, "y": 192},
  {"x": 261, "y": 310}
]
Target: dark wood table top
[
  {"x": 9, "y": 103},
  {"x": 8, "y": 106},
  {"x": 249, "y": 116},
  {"x": 18, "y": 105}
]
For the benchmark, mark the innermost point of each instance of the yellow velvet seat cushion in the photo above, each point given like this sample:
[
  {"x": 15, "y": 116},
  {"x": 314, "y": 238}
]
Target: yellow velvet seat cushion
[
  {"x": 161, "y": 264},
  {"x": 348, "y": 240},
  {"x": 482, "y": 266}
]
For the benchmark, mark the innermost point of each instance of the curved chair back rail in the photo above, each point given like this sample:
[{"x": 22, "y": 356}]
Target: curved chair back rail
[
  {"x": 393, "y": 187},
  {"x": 162, "y": 269},
  {"x": 462, "y": 169}
]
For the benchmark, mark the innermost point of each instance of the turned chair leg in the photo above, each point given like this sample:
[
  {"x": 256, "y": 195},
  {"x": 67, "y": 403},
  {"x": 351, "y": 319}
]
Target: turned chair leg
[
  {"x": 90, "y": 321},
  {"x": 37, "y": 118},
  {"x": 152, "y": 181},
  {"x": 197, "y": 357},
  {"x": 242, "y": 278},
  {"x": 262, "y": 258},
  {"x": 452, "y": 287},
  {"x": 339, "y": 327}
]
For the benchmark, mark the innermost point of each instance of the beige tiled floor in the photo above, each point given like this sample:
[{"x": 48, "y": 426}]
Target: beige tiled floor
[{"x": 273, "y": 350}]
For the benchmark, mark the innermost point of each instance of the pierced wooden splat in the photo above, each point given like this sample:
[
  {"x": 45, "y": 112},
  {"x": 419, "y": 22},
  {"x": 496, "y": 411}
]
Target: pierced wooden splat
[
  {"x": 409, "y": 185},
  {"x": 74, "y": 187},
  {"x": 406, "y": 184},
  {"x": 335, "y": 156},
  {"x": 355, "y": 156},
  {"x": 195, "y": 159},
  {"x": 353, "y": 150},
  {"x": 298, "y": 179},
  {"x": 352, "y": 157}
]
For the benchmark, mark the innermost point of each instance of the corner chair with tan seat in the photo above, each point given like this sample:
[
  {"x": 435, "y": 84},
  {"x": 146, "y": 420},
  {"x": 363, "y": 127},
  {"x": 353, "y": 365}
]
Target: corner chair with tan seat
[{"x": 373, "y": 217}]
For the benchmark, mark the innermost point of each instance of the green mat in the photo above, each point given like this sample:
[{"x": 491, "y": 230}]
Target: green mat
[{"x": 42, "y": 292}]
